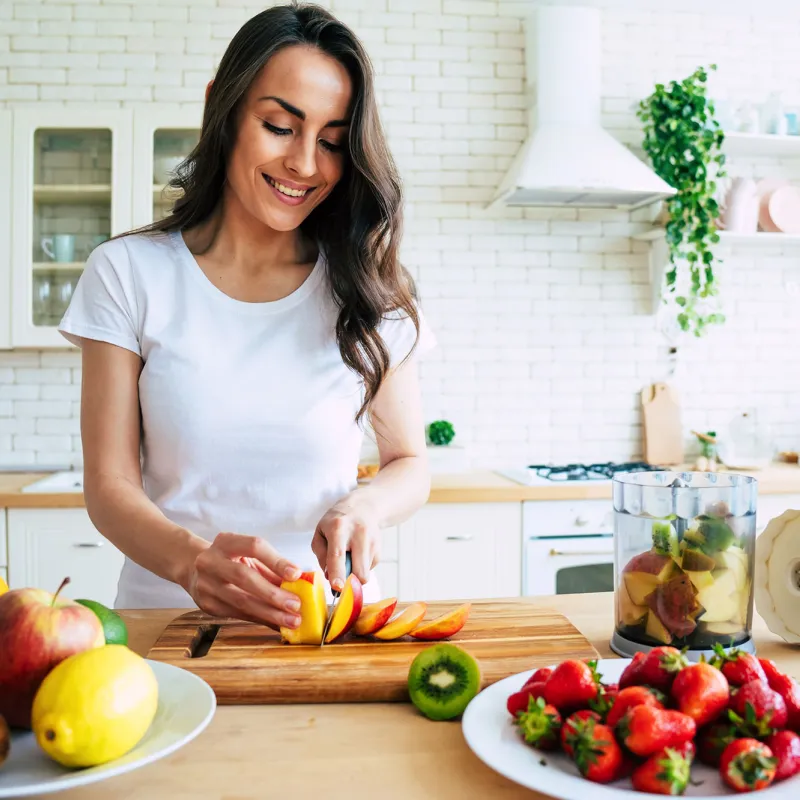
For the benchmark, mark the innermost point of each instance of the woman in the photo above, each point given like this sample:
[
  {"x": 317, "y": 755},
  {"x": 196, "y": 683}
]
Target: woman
[{"x": 232, "y": 352}]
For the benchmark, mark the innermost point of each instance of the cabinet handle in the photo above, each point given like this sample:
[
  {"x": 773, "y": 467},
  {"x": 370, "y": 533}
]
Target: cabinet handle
[
  {"x": 88, "y": 544},
  {"x": 583, "y": 553},
  {"x": 460, "y": 537}
]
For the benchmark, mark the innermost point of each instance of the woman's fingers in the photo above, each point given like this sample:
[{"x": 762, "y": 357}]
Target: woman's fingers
[
  {"x": 234, "y": 545},
  {"x": 253, "y": 583}
]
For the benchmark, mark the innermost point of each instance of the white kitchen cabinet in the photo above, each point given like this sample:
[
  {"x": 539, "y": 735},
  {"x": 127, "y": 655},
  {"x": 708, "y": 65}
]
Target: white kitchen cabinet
[
  {"x": 71, "y": 180},
  {"x": 3, "y": 541},
  {"x": 6, "y": 158},
  {"x": 450, "y": 551},
  {"x": 45, "y": 545}
]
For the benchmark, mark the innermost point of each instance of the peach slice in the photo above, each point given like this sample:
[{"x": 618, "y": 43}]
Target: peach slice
[
  {"x": 374, "y": 616},
  {"x": 403, "y": 623},
  {"x": 443, "y": 626},
  {"x": 347, "y": 609},
  {"x": 313, "y": 609}
]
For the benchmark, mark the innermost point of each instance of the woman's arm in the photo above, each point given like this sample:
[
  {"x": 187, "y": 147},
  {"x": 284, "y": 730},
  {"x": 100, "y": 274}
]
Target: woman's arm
[
  {"x": 401, "y": 486},
  {"x": 234, "y": 575}
]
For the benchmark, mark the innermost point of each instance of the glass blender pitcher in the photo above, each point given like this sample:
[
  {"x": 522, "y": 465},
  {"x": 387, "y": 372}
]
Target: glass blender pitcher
[{"x": 684, "y": 546}]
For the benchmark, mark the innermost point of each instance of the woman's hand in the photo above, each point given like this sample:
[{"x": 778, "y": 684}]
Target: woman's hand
[
  {"x": 351, "y": 524},
  {"x": 239, "y": 576}
]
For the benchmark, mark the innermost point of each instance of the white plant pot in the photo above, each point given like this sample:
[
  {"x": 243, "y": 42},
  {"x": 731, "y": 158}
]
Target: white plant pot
[{"x": 447, "y": 458}]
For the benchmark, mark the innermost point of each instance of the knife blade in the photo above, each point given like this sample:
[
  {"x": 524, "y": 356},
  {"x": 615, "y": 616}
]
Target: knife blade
[{"x": 348, "y": 568}]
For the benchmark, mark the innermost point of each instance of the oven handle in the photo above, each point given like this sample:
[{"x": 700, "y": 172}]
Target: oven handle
[{"x": 554, "y": 552}]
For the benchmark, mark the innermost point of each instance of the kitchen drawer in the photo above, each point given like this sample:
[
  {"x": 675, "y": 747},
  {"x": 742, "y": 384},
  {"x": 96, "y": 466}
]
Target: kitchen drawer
[
  {"x": 47, "y": 545},
  {"x": 567, "y": 517},
  {"x": 387, "y": 575}
]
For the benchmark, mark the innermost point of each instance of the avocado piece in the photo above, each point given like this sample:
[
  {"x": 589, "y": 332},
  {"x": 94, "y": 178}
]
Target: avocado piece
[{"x": 697, "y": 561}]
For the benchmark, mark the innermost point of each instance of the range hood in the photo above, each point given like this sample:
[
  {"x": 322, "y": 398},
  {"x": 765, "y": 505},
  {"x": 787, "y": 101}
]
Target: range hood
[{"x": 568, "y": 158}]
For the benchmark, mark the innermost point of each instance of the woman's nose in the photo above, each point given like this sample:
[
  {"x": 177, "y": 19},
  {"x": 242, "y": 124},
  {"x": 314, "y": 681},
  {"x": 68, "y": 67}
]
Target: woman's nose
[{"x": 302, "y": 159}]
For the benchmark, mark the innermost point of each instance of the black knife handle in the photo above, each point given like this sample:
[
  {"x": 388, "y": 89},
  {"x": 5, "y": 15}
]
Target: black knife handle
[{"x": 348, "y": 568}]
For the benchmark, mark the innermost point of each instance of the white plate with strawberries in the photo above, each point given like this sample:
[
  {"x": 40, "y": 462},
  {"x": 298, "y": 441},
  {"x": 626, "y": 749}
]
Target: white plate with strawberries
[{"x": 499, "y": 739}]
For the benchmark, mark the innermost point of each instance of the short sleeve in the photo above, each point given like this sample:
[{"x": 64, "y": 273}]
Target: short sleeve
[
  {"x": 398, "y": 332},
  {"x": 103, "y": 305}
]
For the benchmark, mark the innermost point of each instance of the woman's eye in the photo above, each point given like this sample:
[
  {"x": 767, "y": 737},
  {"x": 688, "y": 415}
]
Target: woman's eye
[
  {"x": 334, "y": 148},
  {"x": 276, "y": 130}
]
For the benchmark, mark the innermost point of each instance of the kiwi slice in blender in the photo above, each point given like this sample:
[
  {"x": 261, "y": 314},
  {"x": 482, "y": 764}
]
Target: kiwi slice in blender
[{"x": 442, "y": 679}]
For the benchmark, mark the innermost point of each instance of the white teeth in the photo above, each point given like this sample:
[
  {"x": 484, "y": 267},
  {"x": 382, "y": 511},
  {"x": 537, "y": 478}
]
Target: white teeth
[{"x": 286, "y": 190}]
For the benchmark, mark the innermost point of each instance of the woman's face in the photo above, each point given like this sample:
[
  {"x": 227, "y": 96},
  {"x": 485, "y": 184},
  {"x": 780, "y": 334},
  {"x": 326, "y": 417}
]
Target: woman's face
[{"x": 291, "y": 144}]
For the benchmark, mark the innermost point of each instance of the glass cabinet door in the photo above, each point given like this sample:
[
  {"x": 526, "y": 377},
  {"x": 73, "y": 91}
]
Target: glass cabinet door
[
  {"x": 170, "y": 148},
  {"x": 5, "y": 228},
  {"x": 73, "y": 181}
]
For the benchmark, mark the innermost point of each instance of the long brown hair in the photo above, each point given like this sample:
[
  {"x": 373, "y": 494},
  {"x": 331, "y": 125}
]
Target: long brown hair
[{"x": 359, "y": 225}]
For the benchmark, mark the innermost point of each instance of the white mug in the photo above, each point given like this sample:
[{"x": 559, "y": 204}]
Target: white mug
[{"x": 60, "y": 247}]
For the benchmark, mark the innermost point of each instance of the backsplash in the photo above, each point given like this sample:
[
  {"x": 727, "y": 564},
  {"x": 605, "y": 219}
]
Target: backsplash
[{"x": 543, "y": 316}]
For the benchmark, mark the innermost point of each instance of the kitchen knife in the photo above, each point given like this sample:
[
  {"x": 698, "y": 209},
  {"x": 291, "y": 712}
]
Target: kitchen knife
[{"x": 348, "y": 568}]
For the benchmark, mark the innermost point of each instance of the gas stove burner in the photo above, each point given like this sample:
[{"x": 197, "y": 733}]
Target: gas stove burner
[{"x": 590, "y": 472}]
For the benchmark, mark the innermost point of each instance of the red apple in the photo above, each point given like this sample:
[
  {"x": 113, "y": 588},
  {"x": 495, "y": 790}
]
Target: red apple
[
  {"x": 38, "y": 630},
  {"x": 347, "y": 609}
]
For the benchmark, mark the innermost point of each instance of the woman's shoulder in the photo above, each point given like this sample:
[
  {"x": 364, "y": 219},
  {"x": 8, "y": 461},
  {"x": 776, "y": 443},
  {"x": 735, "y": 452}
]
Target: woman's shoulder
[{"x": 133, "y": 255}]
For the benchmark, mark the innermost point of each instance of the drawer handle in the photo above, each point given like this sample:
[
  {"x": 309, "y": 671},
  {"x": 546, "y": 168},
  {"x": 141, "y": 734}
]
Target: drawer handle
[
  {"x": 583, "y": 553},
  {"x": 460, "y": 537},
  {"x": 88, "y": 544}
]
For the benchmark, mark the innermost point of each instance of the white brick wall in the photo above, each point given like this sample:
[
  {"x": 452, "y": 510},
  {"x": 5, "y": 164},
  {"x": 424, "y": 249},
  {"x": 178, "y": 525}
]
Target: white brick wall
[{"x": 543, "y": 317}]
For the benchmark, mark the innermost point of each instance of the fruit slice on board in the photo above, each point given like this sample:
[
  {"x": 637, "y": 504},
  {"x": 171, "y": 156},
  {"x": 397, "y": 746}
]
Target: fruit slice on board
[
  {"x": 442, "y": 680},
  {"x": 347, "y": 609},
  {"x": 403, "y": 623},
  {"x": 445, "y": 625},
  {"x": 374, "y": 616},
  {"x": 313, "y": 609}
]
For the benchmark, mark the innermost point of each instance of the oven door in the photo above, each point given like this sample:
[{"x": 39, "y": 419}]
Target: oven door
[{"x": 569, "y": 564}]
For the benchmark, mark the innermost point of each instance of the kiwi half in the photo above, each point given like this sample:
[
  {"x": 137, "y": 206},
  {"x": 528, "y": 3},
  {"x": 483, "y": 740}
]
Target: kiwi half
[{"x": 442, "y": 679}]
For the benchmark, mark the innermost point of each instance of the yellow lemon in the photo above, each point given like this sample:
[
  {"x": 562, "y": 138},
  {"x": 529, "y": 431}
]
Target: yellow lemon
[
  {"x": 94, "y": 706},
  {"x": 3, "y": 585}
]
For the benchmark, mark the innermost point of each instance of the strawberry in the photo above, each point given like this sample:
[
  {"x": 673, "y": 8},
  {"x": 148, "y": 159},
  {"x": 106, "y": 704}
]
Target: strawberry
[
  {"x": 785, "y": 746},
  {"x": 604, "y": 701},
  {"x": 660, "y": 667},
  {"x": 645, "y": 730},
  {"x": 702, "y": 692},
  {"x": 540, "y": 724},
  {"x": 572, "y": 685},
  {"x": 631, "y": 675},
  {"x": 519, "y": 700},
  {"x": 770, "y": 669},
  {"x": 595, "y": 751},
  {"x": 540, "y": 676},
  {"x": 738, "y": 667},
  {"x": 665, "y": 772},
  {"x": 756, "y": 710},
  {"x": 789, "y": 689},
  {"x": 569, "y": 728},
  {"x": 712, "y": 740},
  {"x": 633, "y": 696},
  {"x": 747, "y": 765}
]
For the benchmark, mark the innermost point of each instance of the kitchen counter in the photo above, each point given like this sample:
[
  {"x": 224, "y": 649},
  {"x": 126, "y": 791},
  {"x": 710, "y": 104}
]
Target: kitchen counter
[
  {"x": 380, "y": 751},
  {"x": 479, "y": 486}
]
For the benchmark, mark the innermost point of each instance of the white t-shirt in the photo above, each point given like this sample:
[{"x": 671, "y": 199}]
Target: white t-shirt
[{"x": 247, "y": 408}]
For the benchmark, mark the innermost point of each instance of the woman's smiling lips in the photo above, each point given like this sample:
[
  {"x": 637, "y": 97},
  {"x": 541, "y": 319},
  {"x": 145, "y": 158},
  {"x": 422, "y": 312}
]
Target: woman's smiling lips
[{"x": 293, "y": 194}]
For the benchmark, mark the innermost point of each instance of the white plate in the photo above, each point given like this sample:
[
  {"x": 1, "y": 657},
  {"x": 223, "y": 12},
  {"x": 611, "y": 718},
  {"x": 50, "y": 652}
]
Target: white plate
[
  {"x": 186, "y": 705},
  {"x": 490, "y": 734}
]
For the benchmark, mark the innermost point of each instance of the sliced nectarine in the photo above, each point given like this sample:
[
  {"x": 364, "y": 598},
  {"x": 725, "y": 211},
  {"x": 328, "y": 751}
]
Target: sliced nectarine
[
  {"x": 443, "y": 626},
  {"x": 403, "y": 623},
  {"x": 347, "y": 609},
  {"x": 374, "y": 616},
  {"x": 313, "y": 609}
]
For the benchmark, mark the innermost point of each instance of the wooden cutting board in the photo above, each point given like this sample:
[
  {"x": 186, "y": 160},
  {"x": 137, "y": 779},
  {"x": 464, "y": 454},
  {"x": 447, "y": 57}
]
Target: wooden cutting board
[
  {"x": 662, "y": 432},
  {"x": 248, "y": 664}
]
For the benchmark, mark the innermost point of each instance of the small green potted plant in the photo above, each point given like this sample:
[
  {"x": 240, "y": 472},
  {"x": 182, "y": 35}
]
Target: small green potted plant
[
  {"x": 443, "y": 454},
  {"x": 440, "y": 433}
]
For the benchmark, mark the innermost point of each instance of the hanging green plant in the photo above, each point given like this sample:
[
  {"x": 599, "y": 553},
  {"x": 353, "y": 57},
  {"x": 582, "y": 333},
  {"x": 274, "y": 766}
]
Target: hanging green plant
[{"x": 684, "y": 141}]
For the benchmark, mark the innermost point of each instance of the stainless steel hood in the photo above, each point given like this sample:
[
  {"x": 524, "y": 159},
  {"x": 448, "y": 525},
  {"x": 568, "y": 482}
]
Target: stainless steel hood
[{"x": 568, "y": 158}]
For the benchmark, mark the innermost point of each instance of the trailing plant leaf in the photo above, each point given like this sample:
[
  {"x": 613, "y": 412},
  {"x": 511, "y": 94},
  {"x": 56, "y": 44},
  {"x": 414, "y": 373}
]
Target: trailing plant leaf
[{"x": 684, "y": 141}]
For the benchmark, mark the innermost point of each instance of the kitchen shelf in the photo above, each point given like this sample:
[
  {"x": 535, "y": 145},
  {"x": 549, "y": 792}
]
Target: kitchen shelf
[
  {"x": 70, "y": 192},
  {"x": 57, "y": 266},
  {"x": 732, "y": 238},
  {"x": 761, "y": 144},
  {"x": 171, "y": 194}
]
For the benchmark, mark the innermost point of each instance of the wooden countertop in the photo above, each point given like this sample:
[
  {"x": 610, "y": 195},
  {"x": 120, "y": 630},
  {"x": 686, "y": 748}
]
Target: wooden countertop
[
  {"x": 478, "y": 486},
  {"x": 380, "y": 751}
]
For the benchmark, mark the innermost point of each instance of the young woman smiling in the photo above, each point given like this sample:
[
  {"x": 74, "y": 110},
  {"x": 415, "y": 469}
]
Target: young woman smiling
[{"x": 232, "y": 351}]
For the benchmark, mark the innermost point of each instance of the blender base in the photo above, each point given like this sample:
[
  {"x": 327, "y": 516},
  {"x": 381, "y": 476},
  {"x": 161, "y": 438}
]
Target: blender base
[{"x": 627, "y": 648}]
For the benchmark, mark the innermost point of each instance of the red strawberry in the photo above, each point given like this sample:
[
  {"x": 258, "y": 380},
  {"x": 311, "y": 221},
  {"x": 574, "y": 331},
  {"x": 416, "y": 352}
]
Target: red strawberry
[
  {"x": 747, "y": 765},
  {"x": 595, "y": 751},
  {"x": 632, "y": 673},
  {"x": 540, "y": 724},
  {"x": 519, "y": 700},
  {"x": 604, "y": 701},
  {"x": 738, "y": 667},
  {"x": 702, "y": 692},
  {"x": 785, "y": 746},
  {"x": 665, "y": 772},
  {"x": 572, "y": 685},
  {"x": 770, "y": 669},
  {"x": 633, "y": 696},
  {"x": 789, "y": 689},
  {"x": 711, "y": 741},
  {"x": 540, "y": 676},
  {"x": 660, "y": 667},
  {"x": 569, "y": 728},
  {"x": 757, "y": 710},
  {"x": 645, "y": 730}
]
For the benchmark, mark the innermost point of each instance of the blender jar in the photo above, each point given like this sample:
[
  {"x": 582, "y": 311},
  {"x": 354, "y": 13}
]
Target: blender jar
[{"x": 684, "y": 545}]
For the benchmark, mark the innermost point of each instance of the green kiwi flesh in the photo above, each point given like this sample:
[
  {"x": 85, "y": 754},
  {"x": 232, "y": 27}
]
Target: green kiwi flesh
[{"x": 442, "y": 680}]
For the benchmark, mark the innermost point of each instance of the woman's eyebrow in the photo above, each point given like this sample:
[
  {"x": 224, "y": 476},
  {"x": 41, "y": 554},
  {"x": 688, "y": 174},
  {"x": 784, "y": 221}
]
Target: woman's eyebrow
[{"x": 334, "y": 123}]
